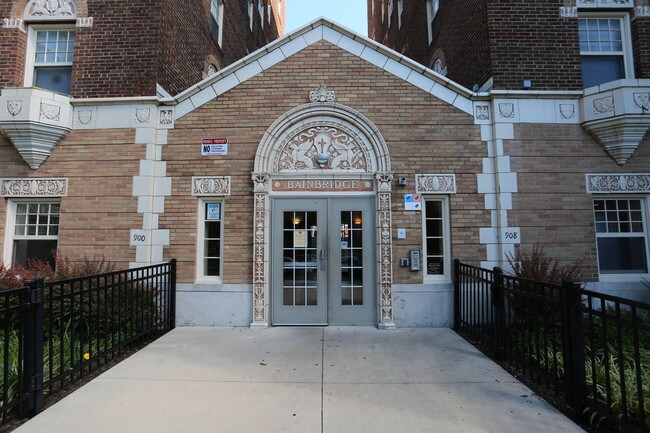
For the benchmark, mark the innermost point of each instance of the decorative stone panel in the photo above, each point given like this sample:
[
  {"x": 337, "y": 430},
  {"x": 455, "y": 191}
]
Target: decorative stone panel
[
  {"x": 51, "y": 10},
  {"x": 597, "y": 4},
  {"x": 618, "y": 183},
  {"x": 435, "y": 183},
  {"x": 211, "y": 186},
  {"x": 51, "y": 187}
]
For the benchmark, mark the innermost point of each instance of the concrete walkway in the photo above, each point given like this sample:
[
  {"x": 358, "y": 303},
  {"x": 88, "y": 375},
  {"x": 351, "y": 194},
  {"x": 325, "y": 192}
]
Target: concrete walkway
[{"x": 303, "y": 380}]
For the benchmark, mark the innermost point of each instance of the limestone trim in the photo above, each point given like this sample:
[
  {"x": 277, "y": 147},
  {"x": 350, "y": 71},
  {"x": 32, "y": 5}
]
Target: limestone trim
[
  {"x": 435, "y": 183},
  {"x": 33, "y": 187},
  {"x": 361, "y": 137},
  {"x": 347, "y": 144},
  {"x": 214, "y": 186},
  {"x": 616, "y": 183}
]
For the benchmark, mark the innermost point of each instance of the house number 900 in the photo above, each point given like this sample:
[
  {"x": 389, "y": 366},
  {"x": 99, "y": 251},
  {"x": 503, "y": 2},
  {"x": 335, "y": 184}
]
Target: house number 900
[{"x": 139, "y": 238}]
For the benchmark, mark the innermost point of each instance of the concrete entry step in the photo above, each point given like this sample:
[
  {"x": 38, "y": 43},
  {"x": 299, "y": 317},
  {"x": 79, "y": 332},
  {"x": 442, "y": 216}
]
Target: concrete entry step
[{"x": 303, "y": 380}]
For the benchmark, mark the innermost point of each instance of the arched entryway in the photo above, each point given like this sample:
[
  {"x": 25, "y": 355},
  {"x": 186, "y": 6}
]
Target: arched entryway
[{"x": 322, "y": 241}]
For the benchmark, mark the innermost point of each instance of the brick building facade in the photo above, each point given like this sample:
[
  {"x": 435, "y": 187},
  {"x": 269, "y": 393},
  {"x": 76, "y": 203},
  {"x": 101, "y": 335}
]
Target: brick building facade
[{"x": 327, "y": 179}]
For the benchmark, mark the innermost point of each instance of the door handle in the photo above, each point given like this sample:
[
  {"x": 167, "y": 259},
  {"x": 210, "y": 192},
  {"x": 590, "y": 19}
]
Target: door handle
[{"x": 322, "y": 259}]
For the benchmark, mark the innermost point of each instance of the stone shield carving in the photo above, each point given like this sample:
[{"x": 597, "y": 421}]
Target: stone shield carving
[
  {"x": 14, "y": 107},
  {"x": 642, "y": 100},
  {"x": 50, "y": 112}
]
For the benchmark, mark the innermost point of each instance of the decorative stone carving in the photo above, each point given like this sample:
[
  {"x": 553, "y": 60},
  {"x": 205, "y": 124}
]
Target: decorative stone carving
[
  {"x": 567, "y": 111},
  {"x": 440, "y": 67},
  {"x": 34, "y": 187},
  {"x": 642, "y": 11},
  {"x": 259, "y": 260},
  {"x": 604, "y": 105},
  {"x": 50, "y": 112},
  {"x": 569, "y": 12},
  {"x": 85, "y": 22},
  {"x": 507, "y": 110},
  {"x": 261, "y": 182},
  {"x": 13, "y": 23},
  {"x": 211, "y": 186},
  {"x": 166, "y": 117},
  {"x": 51, "y": 9},
  {"x": 618, "y": 183},
  {"x": 85, "y": 116},
  {"x": 385, "y": 260},
  {"x": 14, "y": 107},
  {"x": 142, "y": 115},
  {"x": 605, "y": 3},
  {"x": 482, "y": 112},
  {"x": 344, "y": 147},
  {"x": 435, "y": 184},
  {"x": 322, "y": 95},
  {"x": 642, "y": 100}
]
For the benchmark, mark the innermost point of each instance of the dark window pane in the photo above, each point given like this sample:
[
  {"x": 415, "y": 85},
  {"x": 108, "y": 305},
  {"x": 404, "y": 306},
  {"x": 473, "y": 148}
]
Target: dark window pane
[
  {"x": 54, "y": 78},
  {"x": 358, "y": 296},
  {"x": 346, "y": 296},
  {"x": 300, "y": 296},
  {"x": 312, "y": 297},
  {"x": 601, "y": 69},
  {"x": 622, "y": 255},
  {"x": 212, "y": 267},
  {"x": 434, "y": 209},
  {"x": 34, "y": 249},
  {"x": 213, "y": 248},
  {"x": 287, "y": 298},
  {"x": 213, "y": 229}
]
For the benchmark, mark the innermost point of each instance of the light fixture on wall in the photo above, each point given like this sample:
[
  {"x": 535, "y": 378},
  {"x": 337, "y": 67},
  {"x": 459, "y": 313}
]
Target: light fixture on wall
[{"x": 322, "y": 159}]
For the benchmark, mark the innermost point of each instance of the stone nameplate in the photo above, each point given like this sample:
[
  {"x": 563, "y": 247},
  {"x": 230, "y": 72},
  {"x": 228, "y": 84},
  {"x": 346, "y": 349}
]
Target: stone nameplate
[{"x": 332, "y": 185}]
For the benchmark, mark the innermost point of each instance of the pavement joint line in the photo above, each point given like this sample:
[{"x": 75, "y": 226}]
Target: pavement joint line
[{"x": 322, "y": 381}]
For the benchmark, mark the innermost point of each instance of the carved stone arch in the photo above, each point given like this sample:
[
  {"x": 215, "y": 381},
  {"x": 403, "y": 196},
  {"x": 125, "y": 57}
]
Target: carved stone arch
[
  {"x": 355, "y": 131},
  {"x": 20, "y": 9},
  {"x": 322, "y": 139}
]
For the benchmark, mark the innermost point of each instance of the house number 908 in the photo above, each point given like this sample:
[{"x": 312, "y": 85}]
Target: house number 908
[{"x": 511, "y": 235}]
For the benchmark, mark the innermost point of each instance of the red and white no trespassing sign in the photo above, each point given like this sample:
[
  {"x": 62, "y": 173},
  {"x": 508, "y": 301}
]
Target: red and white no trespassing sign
[{"x": 214, "y": 146}]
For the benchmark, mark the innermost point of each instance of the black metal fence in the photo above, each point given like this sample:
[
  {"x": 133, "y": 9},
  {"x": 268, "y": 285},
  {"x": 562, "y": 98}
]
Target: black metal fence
[
  {"x": 55, "y": 333},
  {"x": 591, "y": 349}
]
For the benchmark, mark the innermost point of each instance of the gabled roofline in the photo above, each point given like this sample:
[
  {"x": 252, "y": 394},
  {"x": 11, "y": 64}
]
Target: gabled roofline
[{"x": 315, "y": 31}]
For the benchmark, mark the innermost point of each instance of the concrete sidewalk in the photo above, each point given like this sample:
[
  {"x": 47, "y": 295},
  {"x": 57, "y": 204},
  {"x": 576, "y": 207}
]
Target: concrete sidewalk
[{"x": 303, "y": 380}]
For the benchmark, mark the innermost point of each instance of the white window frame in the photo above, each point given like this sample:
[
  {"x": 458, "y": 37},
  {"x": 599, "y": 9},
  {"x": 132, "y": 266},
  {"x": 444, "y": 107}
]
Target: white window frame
[
  {"x": 30, "y": 52},
  {"x": 446, "y": 233},
  {"x": 218, "y": 19},
  {"x": 268, "y": 11},
  {"x": 433, "y": 7},
  {"x": 200, "y": 244},
  {"x": 645, "y": 210},
  {"x": 391, "y": 6},
  {"x": 400, "y": 9},
  {"x": 10, "y": 226},
  {"x": 626, "y": 39},
  {"x": 260, "y": 10},
  {"x": 251, "y": 11}
]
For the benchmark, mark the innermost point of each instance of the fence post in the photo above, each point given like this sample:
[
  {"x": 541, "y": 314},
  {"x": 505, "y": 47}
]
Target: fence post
[
  {"x": 456, "y": 294},
  {"x": 172, "y": 295},
  {"x": 498, "y": 300},
  {"x": 574, "y": 348},
  {"x": 33, "y": 343}
]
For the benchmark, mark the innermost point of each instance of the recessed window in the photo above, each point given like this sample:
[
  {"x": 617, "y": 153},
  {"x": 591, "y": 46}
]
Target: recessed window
[
  {"x": 400, "y": 9},
  {"x": 35, "y": 231},
  {"x": 604, "y": 50},
  {"x": 210, "y": 245},
  {"x": 53, "y": 60},
  {"x": 260, "y": 10},
  {"x": 433, "y": 6},
  {"x": 251, "y": 11},
  {"x": 436, "y": 256},
  {"x": 216, "y": 20},
  {"x": 621, "y": 236}
]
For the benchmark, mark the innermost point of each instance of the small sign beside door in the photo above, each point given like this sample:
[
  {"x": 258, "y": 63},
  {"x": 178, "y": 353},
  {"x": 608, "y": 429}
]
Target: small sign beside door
[
  {"x": 214, "y": 147},
  {"x": 413, "y": 202}
]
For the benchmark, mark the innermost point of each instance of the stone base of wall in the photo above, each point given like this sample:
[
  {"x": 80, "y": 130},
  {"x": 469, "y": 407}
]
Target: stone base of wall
[
  {"x": 629, "y": 290},
  {"x": 214, "y": 305},
  {"x": 423, "y": 305}
]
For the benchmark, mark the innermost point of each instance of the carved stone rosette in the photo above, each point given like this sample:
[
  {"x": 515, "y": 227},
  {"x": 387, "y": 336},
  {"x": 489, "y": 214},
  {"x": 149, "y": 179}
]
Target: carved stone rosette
[
  {"x": 211, "y": 186},
  {"x": 385, "y": 247},
  {"x": 435, "y": 184},
  {"x": 34, "y": 187},
  {"x": 260, "y": 246},
  {"x": 618, "y": 183}
]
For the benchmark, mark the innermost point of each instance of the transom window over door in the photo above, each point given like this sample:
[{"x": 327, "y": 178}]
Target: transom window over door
[
  {"x": 621, "y": 236},
  {"x": 604, "y": 50}
]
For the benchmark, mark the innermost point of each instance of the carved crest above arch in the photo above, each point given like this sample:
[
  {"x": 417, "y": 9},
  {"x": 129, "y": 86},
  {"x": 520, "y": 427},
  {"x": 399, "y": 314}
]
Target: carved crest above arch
[
  {"x": 345, "y": 150},
  {"x": 51, "y": 9},
  {"x": 322, "y": 137}
]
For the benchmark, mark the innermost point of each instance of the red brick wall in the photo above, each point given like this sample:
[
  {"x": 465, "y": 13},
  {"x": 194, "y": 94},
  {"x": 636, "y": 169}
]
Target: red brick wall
[
  {"x": 530, "y": 41},
  {"x": 641, "y": 45},
  {"x": 12, "y": 51},
  {"x": 424, "y": 135}
]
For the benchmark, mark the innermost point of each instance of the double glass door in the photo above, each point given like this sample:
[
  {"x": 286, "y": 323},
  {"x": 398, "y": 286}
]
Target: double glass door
[{"x": 323, "y": 255}]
